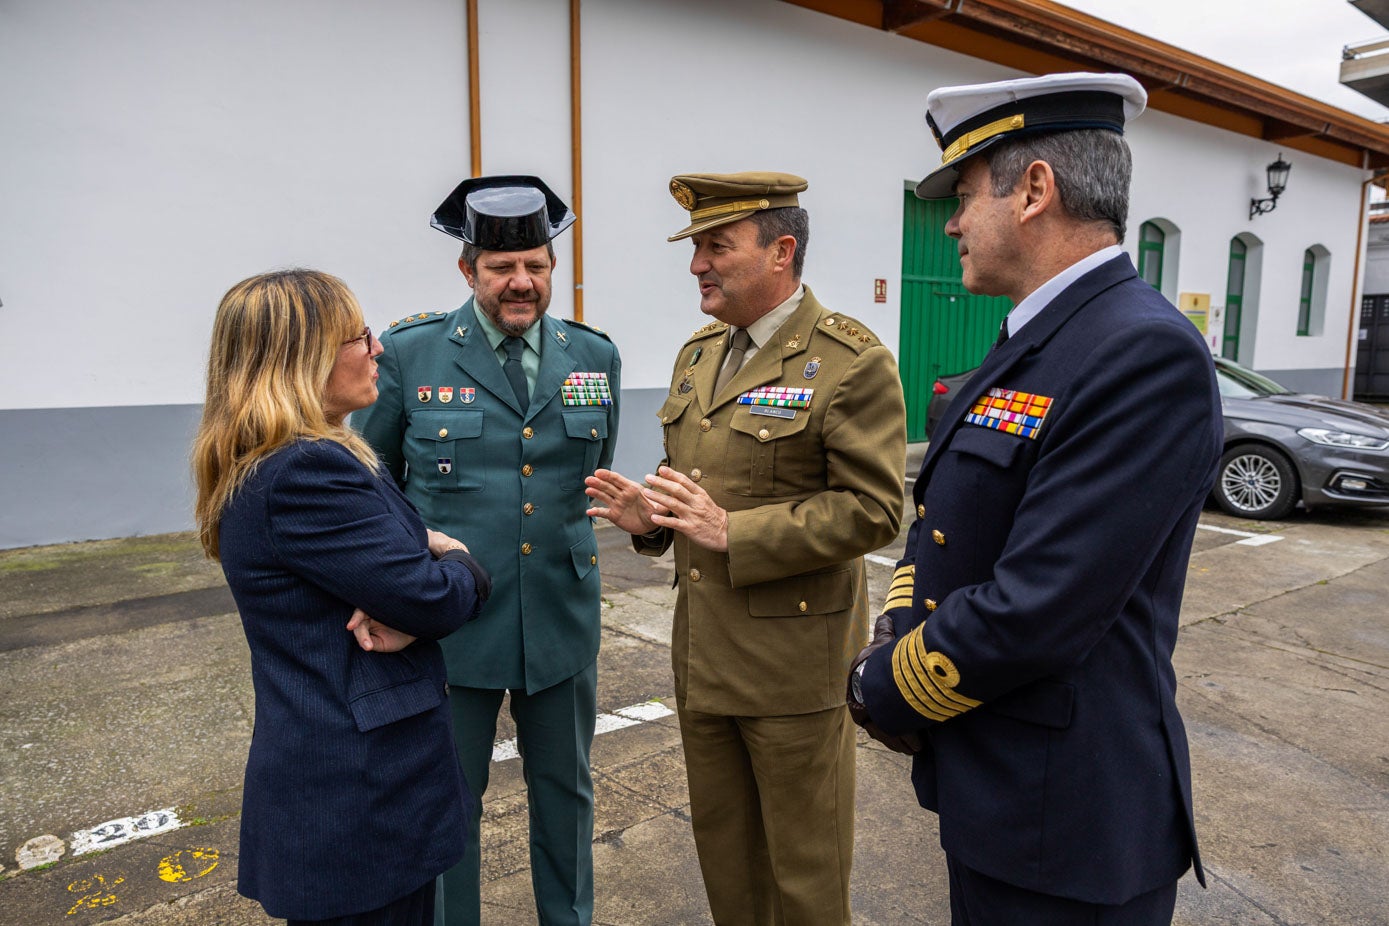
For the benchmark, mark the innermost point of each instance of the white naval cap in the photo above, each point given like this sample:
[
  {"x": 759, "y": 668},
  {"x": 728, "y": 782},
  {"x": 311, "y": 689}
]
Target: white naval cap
[{"x": 968, "y": 119}]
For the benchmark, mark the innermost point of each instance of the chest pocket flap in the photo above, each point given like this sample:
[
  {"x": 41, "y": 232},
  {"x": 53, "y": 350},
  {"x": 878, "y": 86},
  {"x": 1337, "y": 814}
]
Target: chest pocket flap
[
  {"x": 439, "y": 425},
  {"x": 673, "y": 408},
  {"x": 765, "y": 428},
  {"x": 996, "y": 447},
  {"x": 586, "y": 425}
]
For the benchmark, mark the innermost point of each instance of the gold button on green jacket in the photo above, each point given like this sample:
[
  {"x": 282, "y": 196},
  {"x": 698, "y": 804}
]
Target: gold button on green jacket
[{"x": 770, "y": 626}]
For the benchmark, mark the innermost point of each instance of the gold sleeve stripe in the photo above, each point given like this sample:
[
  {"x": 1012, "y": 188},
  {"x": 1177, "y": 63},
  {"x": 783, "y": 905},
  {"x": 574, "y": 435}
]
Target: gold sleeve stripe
[
  {"x": 926, "y": 680},
  {"x": 922, "y": 699},
  {"x": 941, "y": 670},
  {"x": 940, "y": 700},
  {"x": 915, "y": 698},
  {"x": 940, "y": 677},
  {"x": 899, "y": 593}
]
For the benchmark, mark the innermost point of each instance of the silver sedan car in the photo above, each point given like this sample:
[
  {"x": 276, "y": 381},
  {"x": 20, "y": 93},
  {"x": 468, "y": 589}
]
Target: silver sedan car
[{"x": 1283, "y": 447}]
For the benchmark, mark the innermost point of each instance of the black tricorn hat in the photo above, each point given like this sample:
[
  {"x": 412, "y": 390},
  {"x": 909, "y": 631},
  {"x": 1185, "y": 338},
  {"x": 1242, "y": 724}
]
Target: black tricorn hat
[{"x": 505, "y": 213}]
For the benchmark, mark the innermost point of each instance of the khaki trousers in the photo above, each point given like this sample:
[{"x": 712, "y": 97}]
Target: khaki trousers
[{"x": 772, "y": 803}]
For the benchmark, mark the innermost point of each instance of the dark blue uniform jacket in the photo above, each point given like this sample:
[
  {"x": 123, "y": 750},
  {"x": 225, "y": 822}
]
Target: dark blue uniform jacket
[
  {"x": 353, "y": 796},
  {"x": 1037, "y": 602}
]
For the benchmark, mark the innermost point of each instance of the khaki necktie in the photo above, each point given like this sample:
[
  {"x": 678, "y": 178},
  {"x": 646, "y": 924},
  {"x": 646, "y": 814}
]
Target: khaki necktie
[{"x": 737, "y": 347}]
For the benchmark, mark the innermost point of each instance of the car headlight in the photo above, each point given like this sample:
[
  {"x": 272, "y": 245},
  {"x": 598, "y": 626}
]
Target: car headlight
[{"x": 1343, "y": 439}]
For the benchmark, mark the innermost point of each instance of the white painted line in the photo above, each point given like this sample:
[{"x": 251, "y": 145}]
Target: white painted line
[
  {"x": 879, "y": 560},
  {"x": 1251, "y": 540},
  {"x": 621, "y": 718},
  {"x": 118, "y": 832},
  {"x": 647, "y": 710}
]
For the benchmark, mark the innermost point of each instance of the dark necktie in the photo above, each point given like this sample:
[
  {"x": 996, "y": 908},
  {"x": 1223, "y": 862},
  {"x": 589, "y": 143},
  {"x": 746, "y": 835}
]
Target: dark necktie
[
  {"x": 514, "y": 372},
  {"x": 737, "y": 347},
  {"x": 1002, "y": 333}
]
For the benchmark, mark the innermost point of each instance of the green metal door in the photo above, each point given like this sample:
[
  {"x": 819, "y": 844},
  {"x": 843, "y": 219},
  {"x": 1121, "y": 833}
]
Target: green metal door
[{"x": 945, "y": 329}]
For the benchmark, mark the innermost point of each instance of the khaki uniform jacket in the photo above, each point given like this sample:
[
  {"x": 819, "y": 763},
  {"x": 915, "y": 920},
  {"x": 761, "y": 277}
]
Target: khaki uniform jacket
[{"x": 769, "y": 628}]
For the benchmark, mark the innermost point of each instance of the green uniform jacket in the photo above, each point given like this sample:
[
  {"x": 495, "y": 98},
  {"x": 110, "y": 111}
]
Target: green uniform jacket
[
  {"x": 769, "y": 628},
  {"x": 509, "y": 486}
]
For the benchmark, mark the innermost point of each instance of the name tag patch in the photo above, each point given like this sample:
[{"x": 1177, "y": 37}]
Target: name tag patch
[
  {"x": 1008, "y": 410},
  {"x": 586, "y": 389},
  {"x": 778, "y": 397}
]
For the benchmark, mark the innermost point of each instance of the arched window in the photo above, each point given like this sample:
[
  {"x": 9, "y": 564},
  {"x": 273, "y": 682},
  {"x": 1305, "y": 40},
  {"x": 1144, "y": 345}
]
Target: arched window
[
  {"x": 1241, "y": 312},
  {"x": 1159, "y": 244},
  {"x": 1150, "y": 243},
  {"x": 1311, "y": 297},
  {"x": 1234, "y": 300}
]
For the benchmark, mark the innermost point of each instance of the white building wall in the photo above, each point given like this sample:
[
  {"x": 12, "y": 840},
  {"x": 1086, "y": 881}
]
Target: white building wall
[
  {"x": 165, "y": 150},
  {"x": 723, "y": 86},
  {"x": 1201, "y": 179},
  {"x": 158, "y": 151}
]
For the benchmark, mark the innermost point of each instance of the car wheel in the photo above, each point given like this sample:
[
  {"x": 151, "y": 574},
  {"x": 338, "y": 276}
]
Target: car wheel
[{"x": 1256, "y": 482}]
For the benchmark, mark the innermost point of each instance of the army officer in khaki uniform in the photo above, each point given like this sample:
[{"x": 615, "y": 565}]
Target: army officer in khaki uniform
[{"x": 785, "y": 440}]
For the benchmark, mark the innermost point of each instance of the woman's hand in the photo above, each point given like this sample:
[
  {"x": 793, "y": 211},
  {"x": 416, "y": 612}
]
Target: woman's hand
[
  {"x": 374, "y": 636},
  {"x": 440, "y": 543}
]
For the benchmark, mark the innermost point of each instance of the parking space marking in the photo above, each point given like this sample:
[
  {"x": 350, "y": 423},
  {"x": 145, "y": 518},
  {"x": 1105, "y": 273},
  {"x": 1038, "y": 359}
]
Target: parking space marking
[
  {"x": 122, "y": 830},
  {"x": 880, "y": 560},
  {"x": 623, "y": 717},
  {"x": 1250, "y": 540},
  {"x": 118, "y": 832}
]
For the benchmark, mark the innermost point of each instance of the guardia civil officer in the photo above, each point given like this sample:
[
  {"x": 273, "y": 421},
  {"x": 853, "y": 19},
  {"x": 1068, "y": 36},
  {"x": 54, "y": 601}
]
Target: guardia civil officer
[
  {"x": 490, "y": 417},
  {"x": 785, "y": 437},
  {"x": 1026, "y": 643}
]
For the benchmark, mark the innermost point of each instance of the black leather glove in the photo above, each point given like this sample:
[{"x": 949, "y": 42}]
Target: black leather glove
[{"x": 883, "y": 635}]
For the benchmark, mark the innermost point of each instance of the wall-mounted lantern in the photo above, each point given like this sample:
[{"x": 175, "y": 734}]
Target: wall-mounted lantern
[{"x": 1277, "y": 183}]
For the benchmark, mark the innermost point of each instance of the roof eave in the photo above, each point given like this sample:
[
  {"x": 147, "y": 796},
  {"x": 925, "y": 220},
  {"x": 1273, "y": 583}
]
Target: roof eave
[{"x": 1041, "y": 36}]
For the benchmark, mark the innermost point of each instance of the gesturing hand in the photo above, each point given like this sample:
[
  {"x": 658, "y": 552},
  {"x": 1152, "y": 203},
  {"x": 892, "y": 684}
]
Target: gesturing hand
[
  {"x": 374, "y": 636},
  {"x": 907, "y": 743},
  {"x": 619, "y": 500},
  {"x": 688, "y": 509}
]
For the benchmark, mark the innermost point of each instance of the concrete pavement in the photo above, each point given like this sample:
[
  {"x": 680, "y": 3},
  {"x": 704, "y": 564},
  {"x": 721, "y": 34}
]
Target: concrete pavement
[{"x": 124, "y": 690}]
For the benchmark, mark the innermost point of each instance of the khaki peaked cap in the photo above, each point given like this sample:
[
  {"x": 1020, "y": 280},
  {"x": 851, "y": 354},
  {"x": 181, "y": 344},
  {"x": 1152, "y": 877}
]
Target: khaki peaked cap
[{"x": 719, "y": 199}]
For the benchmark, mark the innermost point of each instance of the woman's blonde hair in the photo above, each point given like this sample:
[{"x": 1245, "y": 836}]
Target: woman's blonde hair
[{"x": 274, "y": 343}]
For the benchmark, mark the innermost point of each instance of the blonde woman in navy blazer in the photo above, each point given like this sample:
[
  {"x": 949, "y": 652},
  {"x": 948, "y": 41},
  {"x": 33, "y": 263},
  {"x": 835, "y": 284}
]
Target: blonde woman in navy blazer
[{"x": 354, "y": 801}]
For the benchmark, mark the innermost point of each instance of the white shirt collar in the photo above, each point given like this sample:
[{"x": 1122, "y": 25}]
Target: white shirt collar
[{"x": 1042, "y": 296}]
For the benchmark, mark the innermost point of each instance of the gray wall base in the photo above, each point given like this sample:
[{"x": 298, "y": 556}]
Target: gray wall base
[{"x": 91, "y": 473}]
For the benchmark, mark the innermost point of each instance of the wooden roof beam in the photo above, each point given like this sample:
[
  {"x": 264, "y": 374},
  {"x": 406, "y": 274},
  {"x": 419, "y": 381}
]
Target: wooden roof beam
[
  {"x": 1277, "y": 130},
  {"x": 902, "y": 14}
]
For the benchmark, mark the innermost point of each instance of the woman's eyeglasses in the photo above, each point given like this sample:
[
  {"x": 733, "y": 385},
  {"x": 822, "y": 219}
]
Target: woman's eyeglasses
[{"x": 364, "y": 336}]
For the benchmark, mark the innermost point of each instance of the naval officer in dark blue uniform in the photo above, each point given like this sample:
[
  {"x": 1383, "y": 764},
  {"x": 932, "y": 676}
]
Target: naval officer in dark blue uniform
[
  {"x": 489, "y": 418},
  {"x": 1025, "y": 650}
]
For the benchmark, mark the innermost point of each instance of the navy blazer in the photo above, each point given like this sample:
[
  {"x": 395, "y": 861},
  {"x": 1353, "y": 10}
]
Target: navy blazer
[
  {"x": 353, "y": 796},
  {"x": 1037, "y": 603}
]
